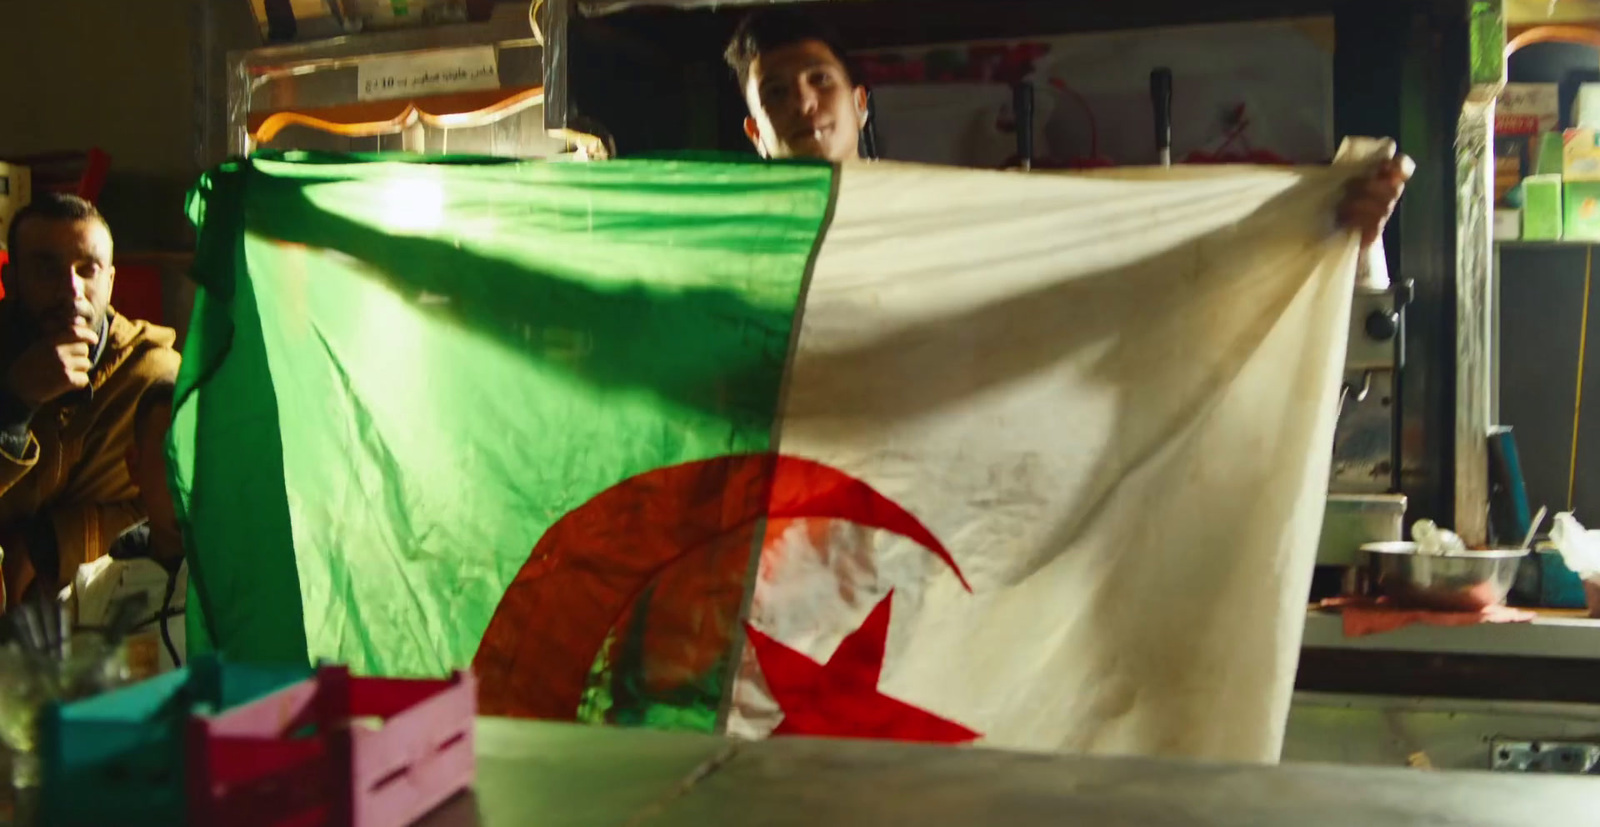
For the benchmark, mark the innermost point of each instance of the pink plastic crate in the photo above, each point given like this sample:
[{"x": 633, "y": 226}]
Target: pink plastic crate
[{"x": 335, "y": 750}]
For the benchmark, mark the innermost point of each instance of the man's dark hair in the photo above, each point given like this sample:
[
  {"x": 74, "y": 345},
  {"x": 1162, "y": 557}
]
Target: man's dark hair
[
  {"x": 770, "y": 29},
  {"x": 157, "y": 395},
  {"x": 53, "y": 206}
]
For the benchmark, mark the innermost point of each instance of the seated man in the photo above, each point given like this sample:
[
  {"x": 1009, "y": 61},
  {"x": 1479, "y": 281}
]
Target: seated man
[
  {"x": 71, "y": 372},
  {"x": 147, "y": 559},
  {"x": 804, "y": 104}
]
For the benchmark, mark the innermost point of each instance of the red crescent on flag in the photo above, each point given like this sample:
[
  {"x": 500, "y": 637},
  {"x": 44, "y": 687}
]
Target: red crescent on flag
[{"x": 589, "y": 568}]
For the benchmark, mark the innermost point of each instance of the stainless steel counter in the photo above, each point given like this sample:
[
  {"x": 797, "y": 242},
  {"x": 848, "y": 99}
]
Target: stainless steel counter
[
  {"x": 1547, "y": 637},
  {"x": 557, "y": 775},
  {"x": 1443, "y": 733}
]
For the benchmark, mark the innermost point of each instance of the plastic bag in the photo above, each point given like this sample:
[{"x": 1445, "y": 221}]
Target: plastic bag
[
  {"x": 1431, "y": 539},
  {"x": 1580, "y": 548}
]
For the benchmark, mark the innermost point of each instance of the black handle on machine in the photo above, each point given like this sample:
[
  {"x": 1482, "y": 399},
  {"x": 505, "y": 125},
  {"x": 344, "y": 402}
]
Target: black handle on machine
[
  {"x": 869, "y": 134},
  {"x": 1161, "y": 101},
  {"x": 1022, "y": 107},
  {"x": 281, "y": 23},
  {"x": 1405, "y": 292}
]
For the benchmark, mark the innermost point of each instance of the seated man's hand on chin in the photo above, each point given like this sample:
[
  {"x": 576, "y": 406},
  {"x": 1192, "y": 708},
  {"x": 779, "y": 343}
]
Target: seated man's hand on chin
[{"x": 1370, "y": 200}]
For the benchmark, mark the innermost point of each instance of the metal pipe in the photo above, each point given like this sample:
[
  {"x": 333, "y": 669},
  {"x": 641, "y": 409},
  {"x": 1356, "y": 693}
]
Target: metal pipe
[
  {"x": 1022, "y": 107},
  {"x": 869, "y": 132},
  {"x": 1161, "y": 102}
]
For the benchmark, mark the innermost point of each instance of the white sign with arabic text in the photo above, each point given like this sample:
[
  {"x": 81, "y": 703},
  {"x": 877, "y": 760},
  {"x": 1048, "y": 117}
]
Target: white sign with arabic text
[{"x": 430, "y": 73}]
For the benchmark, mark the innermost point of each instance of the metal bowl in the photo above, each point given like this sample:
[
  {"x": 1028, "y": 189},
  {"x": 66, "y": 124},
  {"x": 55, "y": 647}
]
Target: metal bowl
[{"x": 1465, "y": 581}]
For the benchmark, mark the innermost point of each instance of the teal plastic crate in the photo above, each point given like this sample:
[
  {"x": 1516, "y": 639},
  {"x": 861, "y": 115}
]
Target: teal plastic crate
[{"x": 119, "y": 758}]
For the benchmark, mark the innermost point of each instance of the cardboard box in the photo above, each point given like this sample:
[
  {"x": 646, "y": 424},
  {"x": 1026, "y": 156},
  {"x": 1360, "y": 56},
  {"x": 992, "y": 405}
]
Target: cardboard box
[
  {"x": 1548, "y": 161},
  {"x": 1507, "y": 224},
  {"x": 1586, "y": 106},
  {"x": 15, "y": 192},
  {"x": 1512, "y": 163},
  {"x": 1523, "y": 113},
  {"x": 1527, "y": 109},
  {"x": 1580, "y": 155},
  {"x": 1580, "y": 210},
  {"x": 1542, "y": 208}
]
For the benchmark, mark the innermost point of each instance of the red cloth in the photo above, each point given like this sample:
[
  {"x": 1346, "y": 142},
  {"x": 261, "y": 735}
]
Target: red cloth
[{"x": 1366, "y": 616}]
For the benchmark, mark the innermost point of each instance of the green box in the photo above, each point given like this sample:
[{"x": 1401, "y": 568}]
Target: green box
[
  {"x": 1548, "y": 160},
  {"x": 1541, "y": 208},
  {"x": 1581, "y": 210},
  {"x": 1488, "y": 42}
]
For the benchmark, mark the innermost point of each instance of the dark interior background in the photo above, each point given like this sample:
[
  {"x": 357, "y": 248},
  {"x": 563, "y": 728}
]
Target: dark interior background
[{"x": 1543, "y": 286}]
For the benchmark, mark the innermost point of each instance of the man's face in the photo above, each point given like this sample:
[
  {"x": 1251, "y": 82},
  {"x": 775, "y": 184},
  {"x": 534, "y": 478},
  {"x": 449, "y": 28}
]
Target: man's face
[
  {"x": 61, "y": 272},
  {"x": 803, "y": 106}
]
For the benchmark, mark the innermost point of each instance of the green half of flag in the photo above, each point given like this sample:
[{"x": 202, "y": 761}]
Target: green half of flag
[{"x": 402, "y": 374}]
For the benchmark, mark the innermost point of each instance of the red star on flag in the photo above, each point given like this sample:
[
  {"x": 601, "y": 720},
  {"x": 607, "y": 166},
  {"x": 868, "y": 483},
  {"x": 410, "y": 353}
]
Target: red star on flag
[{"x": 840, "y": 699}]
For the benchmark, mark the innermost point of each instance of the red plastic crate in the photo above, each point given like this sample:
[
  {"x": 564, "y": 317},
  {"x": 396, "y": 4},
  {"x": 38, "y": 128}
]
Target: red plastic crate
[
  {"x": 71, "y": 173},
  {"x": 312, "y": 754}
]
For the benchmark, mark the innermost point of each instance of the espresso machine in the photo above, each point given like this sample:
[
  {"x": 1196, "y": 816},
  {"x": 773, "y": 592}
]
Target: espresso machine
[{"x": 1364, "y": 500}]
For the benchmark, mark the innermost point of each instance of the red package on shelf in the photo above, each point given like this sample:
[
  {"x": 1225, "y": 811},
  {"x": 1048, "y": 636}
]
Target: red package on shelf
[
  {"x": 335, "y": 750},
  {"x": 137, "y": 292}
]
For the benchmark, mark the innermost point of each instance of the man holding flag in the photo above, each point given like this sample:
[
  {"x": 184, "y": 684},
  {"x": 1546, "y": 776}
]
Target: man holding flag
[{"x": 804, "y": 104}]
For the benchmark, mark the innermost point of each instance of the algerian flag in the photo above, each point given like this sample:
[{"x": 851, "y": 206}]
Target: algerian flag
[{"x": 885, "y": 450}]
